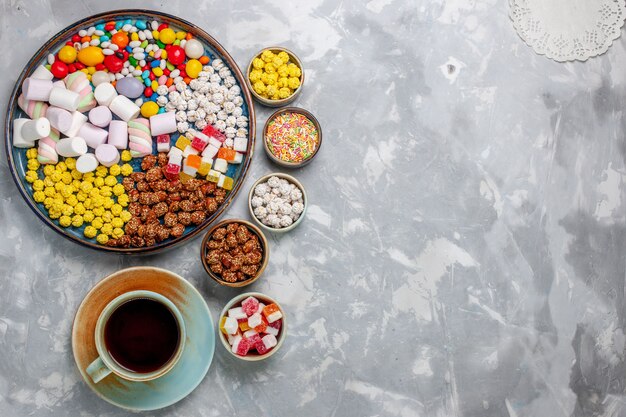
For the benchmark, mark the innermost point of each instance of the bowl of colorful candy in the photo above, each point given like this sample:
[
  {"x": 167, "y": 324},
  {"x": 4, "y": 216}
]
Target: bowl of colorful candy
[
  {"x": 292, "y": 137},
  {"x": 234, "y": 253},
  {"x": 275, "y": 76},
  {"x": 252, "y": 326},
  {"x": 277, "y": 202}
]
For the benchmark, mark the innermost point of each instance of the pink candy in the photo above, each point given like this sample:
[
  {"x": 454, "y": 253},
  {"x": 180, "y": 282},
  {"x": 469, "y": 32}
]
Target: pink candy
[
  {"x": 261, "y": 336},
  {"x": 250, "y": 305}
]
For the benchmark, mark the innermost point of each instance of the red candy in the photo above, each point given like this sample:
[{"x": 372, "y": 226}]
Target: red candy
[
  {"x": 68, "y": 43},
  {"x": 79, "y": 66},
  {"x": 100, "y": 67},
  {"x": 59, "y": 69},
  {"x": 250, "y": 305},
  {"x": 113, "y": 63},
  {"x": 152, "y": 76},
  {"x": 198, "y": 144},
  {"x": 161, "y": 138},
  {"x": 166, "y": 72},
  {"x": 172, "y": 171},
  {"x": 212, "y": 132},
  {"x": 243, "y": 347},
  {"x": 253, "y": 339},
  {"x": 260, "y": 347},
  {"x": 176, "y": 55},
  {"x": 162, "y": 26},
  {"x": 71, "y": 68},
  {"x": 148, "y": 91},
  {"x": 263, "y": 326},
  {"x": 76, "y": 38}
]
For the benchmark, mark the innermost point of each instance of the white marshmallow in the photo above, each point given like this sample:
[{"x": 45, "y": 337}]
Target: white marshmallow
[
  {"x": 64, "y": 98},
  {"x": 74, "y": 146},
  {"x": 105, "y": 93},
  {"x": 18, "y": 139},
  {"x": 59, "y": 118},
  {"x": 269, "y": 340},
  {"x": 78, "y": 120},
  {"x": 35, "y": 129},
  {"x": 118, "y": 134},
  {"x": 36, "y": 89},
  {"x": 122, "y": 107},
  {"x": 42, "y": 73},
  {"x": 93, "y": 135},
  {"x": 107, "y": 154},
  {"x": 86, "y": 163},
  {"x": 163, "y": 123},
  {"x": 241, "y": 145}
]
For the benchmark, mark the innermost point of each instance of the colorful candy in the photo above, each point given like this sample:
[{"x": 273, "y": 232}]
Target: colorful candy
[
  {"x": 247, "y": 329},
  {"x": 292, "y": 137}
]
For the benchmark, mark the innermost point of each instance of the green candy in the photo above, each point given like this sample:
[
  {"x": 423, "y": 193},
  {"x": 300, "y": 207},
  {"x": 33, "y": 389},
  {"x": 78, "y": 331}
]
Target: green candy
[
  {"x": 144, "y": 44},
  {"x": 170, "y": 66},
  {"x": 161, "y": 44},
  {"x": 132, "y": 61}
]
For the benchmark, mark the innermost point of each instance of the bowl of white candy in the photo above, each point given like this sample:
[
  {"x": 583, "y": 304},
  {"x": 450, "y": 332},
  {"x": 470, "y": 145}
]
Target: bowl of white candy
[{"x": 277, "y": 202}]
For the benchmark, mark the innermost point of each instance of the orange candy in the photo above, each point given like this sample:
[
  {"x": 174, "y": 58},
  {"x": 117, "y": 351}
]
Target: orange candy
[
  {"x": 188, "y": 36},
  {"x": 169, "y": 82},
  {"x": 194, "y": 161},
  {"x": 227, "y": 154},
  {"x": 120, "y": 39},
  {"x": 85, "y": 39},
  {"x": 204, "y": 59},
  {"x": 187, "y": 80}
]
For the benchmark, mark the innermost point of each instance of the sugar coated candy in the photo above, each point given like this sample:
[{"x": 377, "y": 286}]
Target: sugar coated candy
[
  {"x": 272, "y": 313},
  {"x": 240, "y": 346},
  {"x": 237, "y": 313},
  {"x": 250, "y": 305}
]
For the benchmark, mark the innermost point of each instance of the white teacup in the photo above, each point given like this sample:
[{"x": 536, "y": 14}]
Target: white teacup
[{"x": 105, "y": 364}]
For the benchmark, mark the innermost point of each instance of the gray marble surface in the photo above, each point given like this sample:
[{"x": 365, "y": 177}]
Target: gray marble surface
[{"x": 463, "y": 254}]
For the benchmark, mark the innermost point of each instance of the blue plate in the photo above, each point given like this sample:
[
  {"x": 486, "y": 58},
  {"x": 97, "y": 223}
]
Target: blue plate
[
  {"x": 199, "y": 345},
  {"x": 17, "y": 157}
]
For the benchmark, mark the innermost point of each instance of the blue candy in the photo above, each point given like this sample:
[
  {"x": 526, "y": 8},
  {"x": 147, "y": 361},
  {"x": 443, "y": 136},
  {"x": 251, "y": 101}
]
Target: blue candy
[
  {"x": 119, "y": 25},
  {"x": 100, "y": 26},
  {"x": 155, "y": 63},
  {"x": 129, "y": 49},
  {"x": 154, "y": 97},
  {"x": 104, "y": 38},
  {"x": 141, "y": 24},
  {"x": 147, "y": 82},
  {"x": 145, "y": 74},
  {"x": 161, "y": 110}
]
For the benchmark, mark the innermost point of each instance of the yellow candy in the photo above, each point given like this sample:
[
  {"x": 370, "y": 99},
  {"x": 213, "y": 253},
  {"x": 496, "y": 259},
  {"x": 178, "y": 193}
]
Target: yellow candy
[
  {"x": 117, "y": 222},
  {"x": 106, "y": 228},
  {"x": 259, "y": 87},
  {"x": 91, "y": 70},
  {"x": 47, "y": 202},
  {"x": 193, "y": 68},
  {"x": 118, "y": 232},
  {"x": 72, "y": 200},
  {"x": 118, "y": 189},
  {"x": 182, "y": 142},
  {"x": 70, "y": 163},
  {"x": 255, "y": 75},
  {"x": 155, "y": 34},
  {"x": 267, "y": 56},
  {"x": 67, "y": 210},
  {"x": 88, "y": 216},
  {"x": 284, "y": 56},
  {"x": 181, "y": 35},
  {"x": 294, "y": 83},
  {"x": 125, "y": 216},
  {"x": 134, "y": 36},
  {"x": 149, "y": 108},
  {"x": 228, "y": 183},
  {"x": 163, "y": 54},
  {"x": 167, "y": 36},
  {"x": 105, "y": 191},
  {"x": 90, "y": 232},
  {"x": 294, "y": 71},
  {"x": 49, "y": 191},
  {"x": 258, "y": 63},
  {"x": 67, "y": 54},
  {"x": 31, "y": 176},
  {"x": 155, "y": 85},
  {"x": 79, "y": 208},
  {"x": 102, "y": 239},
  {"x": 90, "y": 56},
  {"x": 269, "y": 67},
  {"x": 126, "y": 156},
  {"x": 271, "y": 90},
  {"x": 86, "y": 186},
  {"x": 65, "y": 221},
  {"x": 76, "y": 174},
  {"x": 39, "y": 196},
  {"x": 126, "y": 170},
  {"x": 31, "y": 153},
  {"x": 116, "y": 209},
  {"x": 110, "y": 181},
  {"x": 66, "y": 178},
  {"x": 99, "y": 181},
  {"x": 97, "y": 223},
  {"x": 88, "y": 203},
  {"x": 277, "y": 61},
  {"x": 123, "y": 201},
  {"x": 77, "y": 221},
  {"x": 101, "y": 171},
  {"x": 33, "y": 164},
  {"x": 115, "y": 170},
  {"x": 108, "y": 203},
  {"x": 157, "y": 71},
  {"x": 98, "y": 211},
  {"x": 48, "y": 170},
  {"x": 38, "y": 185},
  {"x": 284, "y": 92}
]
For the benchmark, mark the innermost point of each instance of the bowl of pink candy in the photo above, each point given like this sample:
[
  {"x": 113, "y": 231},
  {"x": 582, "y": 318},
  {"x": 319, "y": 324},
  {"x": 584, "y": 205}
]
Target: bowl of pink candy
[{"x": 252, "y": 326}]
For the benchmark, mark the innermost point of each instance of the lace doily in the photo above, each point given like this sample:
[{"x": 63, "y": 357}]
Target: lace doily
[{"x": 567, "y": 30}]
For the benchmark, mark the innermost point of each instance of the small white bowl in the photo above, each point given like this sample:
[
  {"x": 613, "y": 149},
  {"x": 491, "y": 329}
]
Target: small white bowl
[
  {"x": 266, "y": 300},
  {"x": 292, "y": 180}
]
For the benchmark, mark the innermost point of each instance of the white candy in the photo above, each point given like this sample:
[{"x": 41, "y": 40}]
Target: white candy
[
  {"x": 237, "y": 313},
  {"x": 86, "y": 163},
  {"x": 18, "y": 139},
  {"x": 269, "y": 340},
  {"x": 220, "y": 165},
  {"x": 231, "y": 325},
  {"x": 255, "y": 320},
  {"x": 36, "y": 129},
  {"x": 71, "y": 147}
]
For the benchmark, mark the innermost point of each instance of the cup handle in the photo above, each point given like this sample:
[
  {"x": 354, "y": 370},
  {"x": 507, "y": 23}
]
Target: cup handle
[{"x": 97, "y": 370}]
